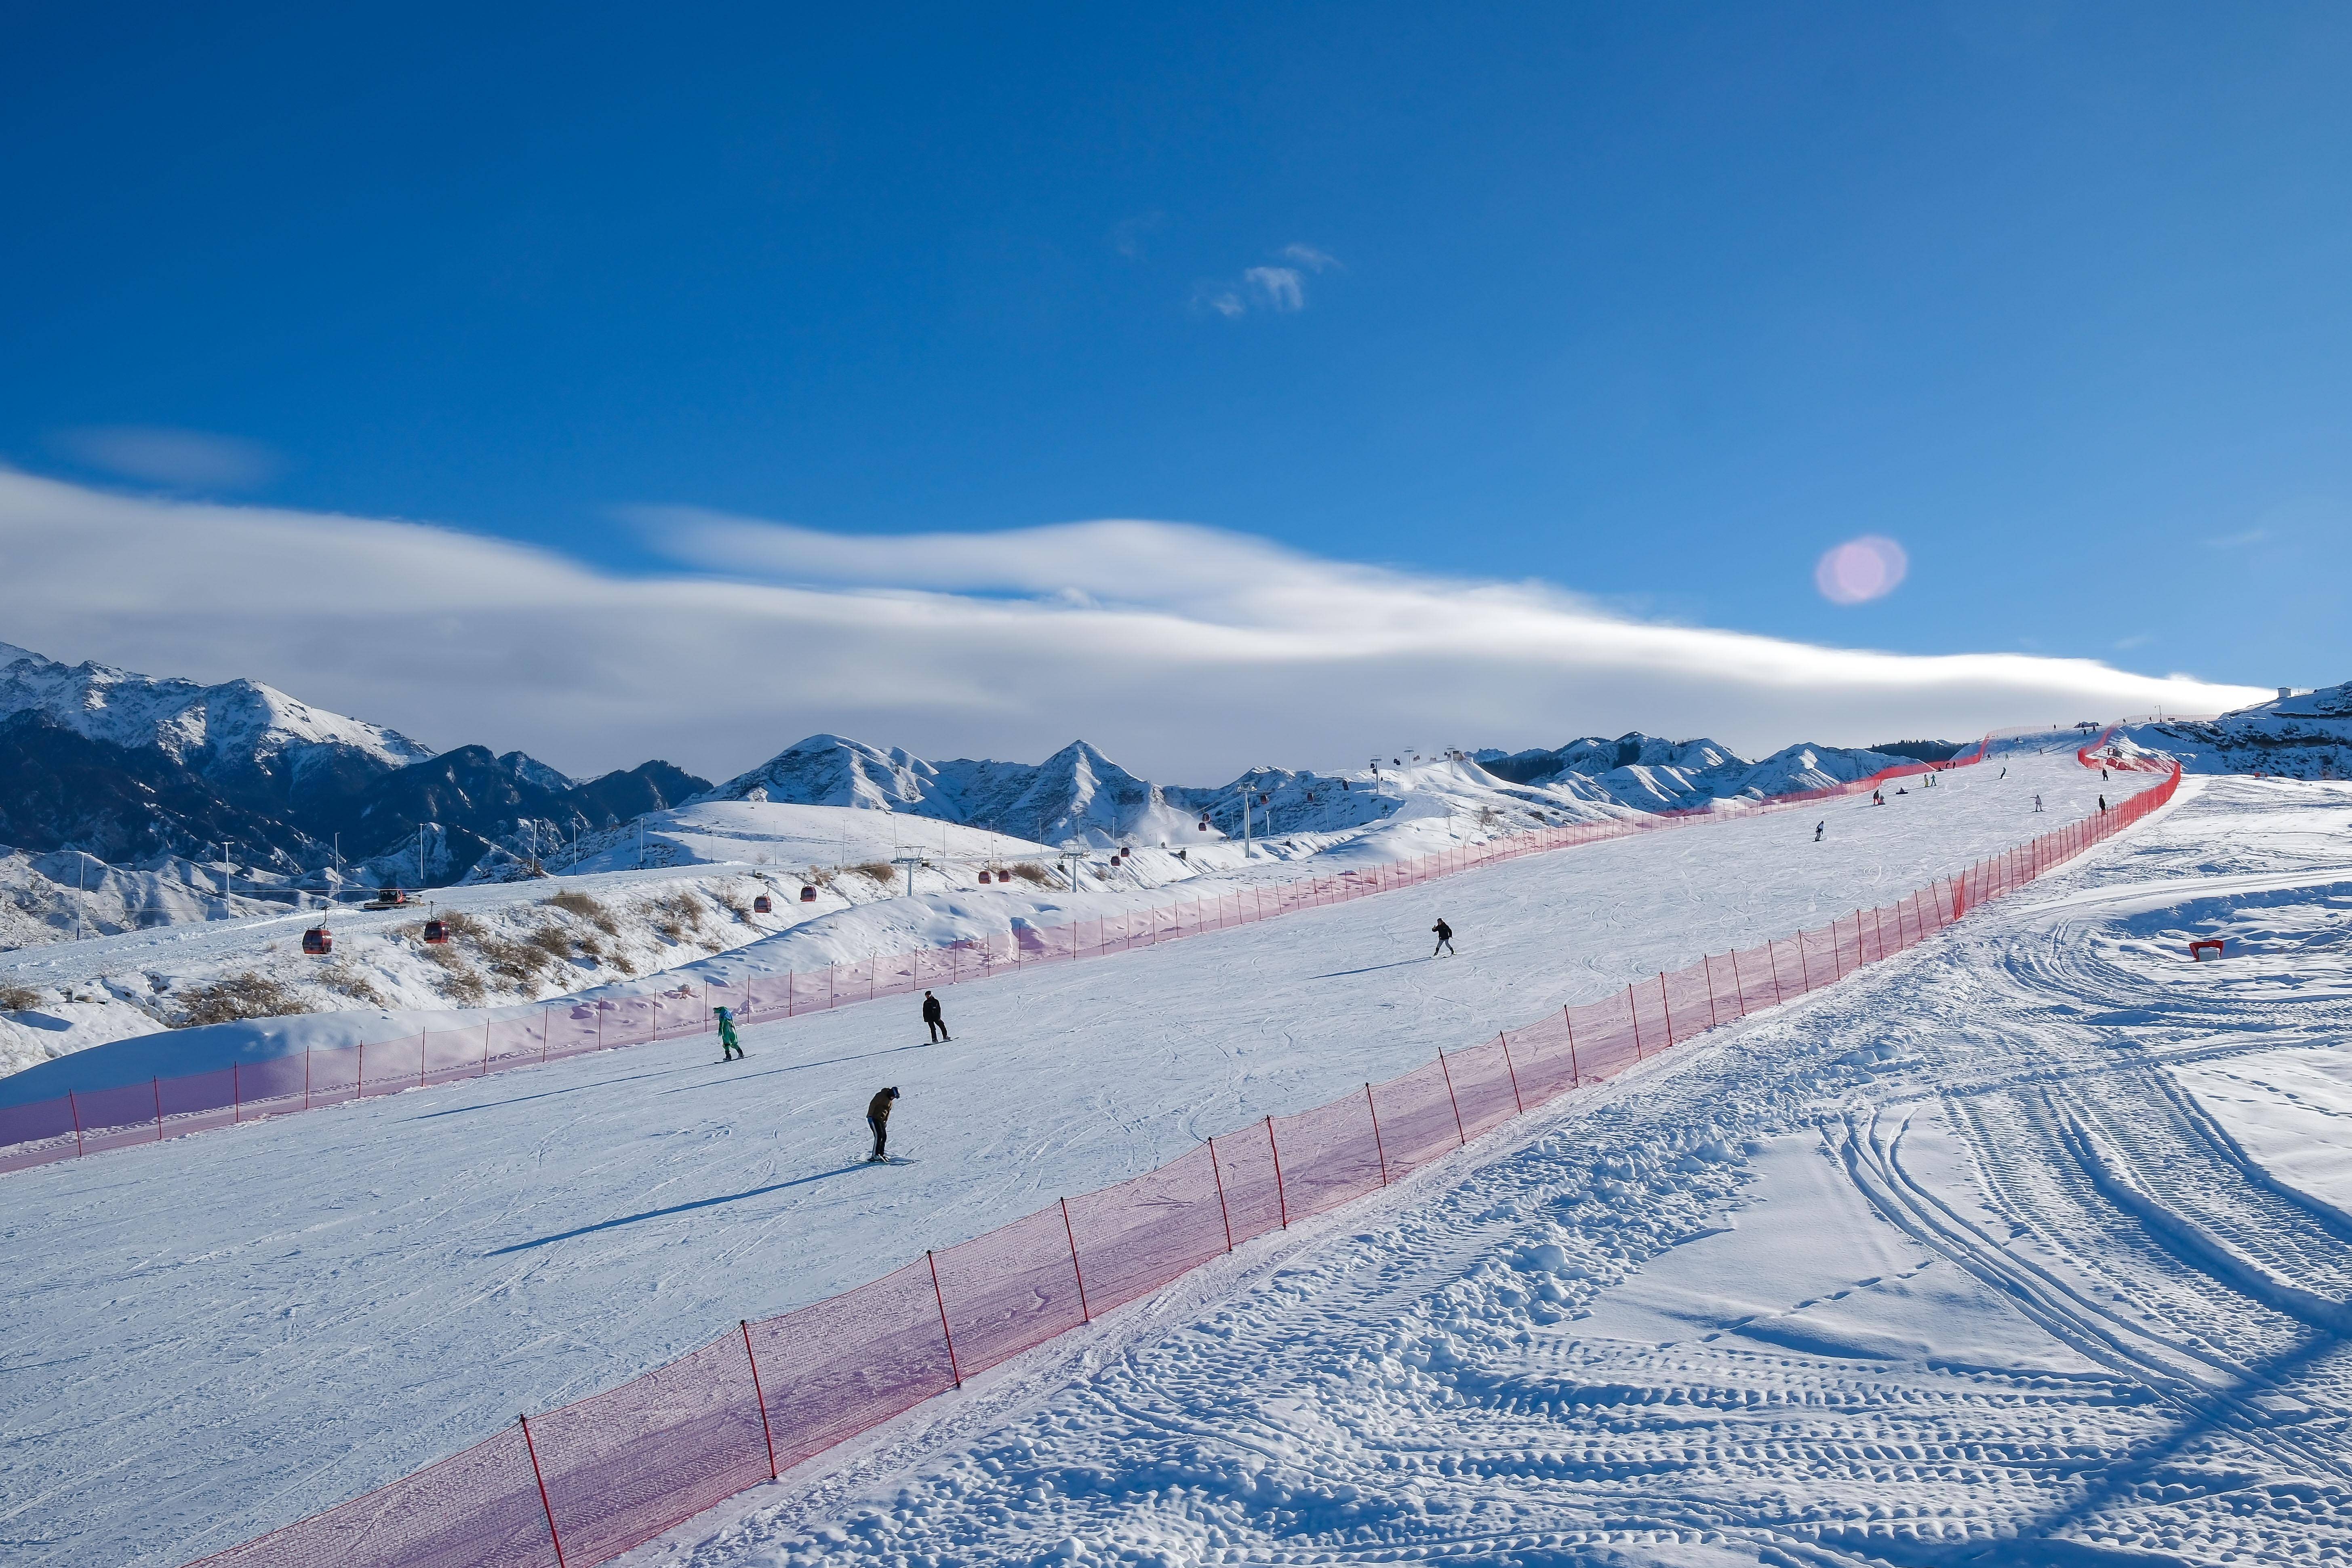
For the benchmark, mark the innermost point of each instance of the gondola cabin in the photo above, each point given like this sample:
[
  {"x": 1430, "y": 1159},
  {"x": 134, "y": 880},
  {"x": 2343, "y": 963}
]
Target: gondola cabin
[
  {"x": 984, "y": 879},
  {"x": 808, "y": 895},
  {"x": 764, "y": 905},
  {"x": 436, "y": 932},
  {"x": 319, "y": 939}
]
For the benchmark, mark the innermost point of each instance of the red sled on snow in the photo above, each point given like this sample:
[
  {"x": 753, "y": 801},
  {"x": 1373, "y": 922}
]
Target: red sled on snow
[{"x": 2199, "y": 948}]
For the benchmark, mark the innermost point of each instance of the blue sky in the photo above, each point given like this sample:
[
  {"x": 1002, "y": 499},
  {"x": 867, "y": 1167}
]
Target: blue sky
[{"x": 1652, "y": 304}]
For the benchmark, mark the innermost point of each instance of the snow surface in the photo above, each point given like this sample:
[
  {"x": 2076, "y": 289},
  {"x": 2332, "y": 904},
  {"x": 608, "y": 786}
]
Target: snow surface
[
  {"x": 2032, "y": 1307},
  {"x": 221, "y": 1333}
]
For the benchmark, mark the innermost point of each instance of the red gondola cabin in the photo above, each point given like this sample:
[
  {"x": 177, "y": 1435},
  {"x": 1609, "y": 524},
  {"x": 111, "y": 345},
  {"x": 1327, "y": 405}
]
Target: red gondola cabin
[
  {"x": 436, "y": 932},
  {"x": 319, "y": 939},
  {"x": 808, "y": 895},
  {"x": 764, "y": 905}
]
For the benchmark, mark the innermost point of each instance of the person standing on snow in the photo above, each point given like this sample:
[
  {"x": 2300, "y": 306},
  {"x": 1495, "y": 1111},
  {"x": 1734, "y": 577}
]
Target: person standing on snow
[
  {"x": 729, "y": 1051},
  {"x": 2103, "y": 805},
  {"x": 1821, "y": 827},
  {"x": 932, "y": 1017},
  {"x": 877, "y": 1117},
  {"x": 2037, "y": 803},
  {"x": 1445, "y": 939}
]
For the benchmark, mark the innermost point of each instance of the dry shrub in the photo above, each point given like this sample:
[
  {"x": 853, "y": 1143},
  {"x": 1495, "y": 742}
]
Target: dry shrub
[
  {"x": 463, "y": 925},
  {"x": 573, "y": 902},
  {"x": 1030, "y": 871},
  {"x": 463, "y": 987},
  {"x": 343, "y": 979},
  {"x": 552, "y": 941},
  {"x": 235, "y": 997},
  {"x": 881, "y": 872},
  {"x": 18, "y": 998},
  {"x": 817, "y": 877},
  {"x": 518, "y": 962},
  {"x": 734, "y": 906}
]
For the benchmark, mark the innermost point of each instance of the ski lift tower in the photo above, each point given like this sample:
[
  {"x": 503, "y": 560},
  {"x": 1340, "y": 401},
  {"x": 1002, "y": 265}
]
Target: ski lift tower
[
  {"x": 1070, "y": 860},
  {"x": 913, "y": 863}
]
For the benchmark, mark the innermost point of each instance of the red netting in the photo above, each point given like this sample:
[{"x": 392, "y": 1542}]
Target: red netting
[
  {"x": 478, "y": 1508},
  {"x": 833, "y": 1369},
  {"x": 1012, "y": 1288},
  {"x": 623, "y": 1466}
]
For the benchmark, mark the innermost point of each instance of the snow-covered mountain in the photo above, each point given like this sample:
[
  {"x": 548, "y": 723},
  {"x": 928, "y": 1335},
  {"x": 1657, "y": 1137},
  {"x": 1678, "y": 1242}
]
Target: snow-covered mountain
[
  {"x": 240, "y": 734},
  {"x": 2305, "y": 735},
  {"x": 1654, "y": 774},
  {"x": 141, "y": 772}
]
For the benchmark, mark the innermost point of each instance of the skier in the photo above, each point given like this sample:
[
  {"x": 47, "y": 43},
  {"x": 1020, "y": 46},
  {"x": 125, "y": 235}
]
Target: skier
[
  {"x": 1445, "y": 939},
  {"x": 2103, "y": 774},
  {"x": 877, "y": 1117},
  {"x": 730, "y": 1051},
  {"x": 2004, "y": 774},
  {"x": 1821, "y": 827},
  {"x": 1877, "y": 797},
  {"x": 2037, "y": 803},
  {"x": 932, "y": 1017},
  {"x": 2102, "y": 804}
]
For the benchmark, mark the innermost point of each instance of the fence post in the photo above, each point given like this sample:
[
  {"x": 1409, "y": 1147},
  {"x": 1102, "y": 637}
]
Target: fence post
[
  {"x": 1633, "y": 1011},
  {"x": 1574, "y": 1071},
  {"x": 1380, "y": 1152},
  {"x": 74, "y": 1105},
  {"x": 158, "y": 1084},
  {"x": 1707, "y": 966},
  {"x": 1084, "y": 1314},
  {"x": 1805, "y": 964},
  {"x": 306, "y": 1077},
  {"x": 1281, "y": 1199},
  {"x": 1667, "y": 1008},
  {"x": 1772, "y": 956},
  {"x": 1505, "y": 1041},
  {"x": 1460, "y": 1137},
  {"x": 537, "y": 1475},
  {"x": 236, "y": 1096},
  {"x": 1224, "y": 1212},
  {"x": 945, "y": 1332},
  {"x": 760, "y": 1394}
]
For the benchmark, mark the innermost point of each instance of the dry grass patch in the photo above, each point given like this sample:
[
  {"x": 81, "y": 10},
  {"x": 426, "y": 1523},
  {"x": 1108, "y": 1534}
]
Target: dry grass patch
[
  {"x": 572, "y": 903},
  {"x": 233, "y": 997},
  {"x": 19, "y": 998},
  {"x": 1031, "y": 872}
]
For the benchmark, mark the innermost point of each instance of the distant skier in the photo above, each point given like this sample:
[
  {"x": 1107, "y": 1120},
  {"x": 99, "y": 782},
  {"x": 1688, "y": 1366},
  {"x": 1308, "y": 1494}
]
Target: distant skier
[
  {"x": 730, "y": 1051},
  {"x": 932, "y": 1017},
  {"x": 1819, "y": 828},
  {"x": 2102, "y": 804},
  {"x": 1877, "y": 797},
  {"x": 1445, "y": 939},
  {"x": 2103, "y": 774},
  {"x": 2004, "y": 774},
  {"x": 877, "y": 1117},
  {"x": 2037, "y": 803}
]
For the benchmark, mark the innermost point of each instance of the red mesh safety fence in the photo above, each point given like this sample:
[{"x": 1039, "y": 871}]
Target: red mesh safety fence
[
  {"x": 612, "y": 1471},
  {"x": 35, "y": 1135}
]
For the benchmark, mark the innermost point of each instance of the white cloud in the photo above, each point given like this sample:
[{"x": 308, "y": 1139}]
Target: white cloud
[
  {"x": 182, "y": 459},
  {"x": 1281, "y": 286},
  {"x": 1186, "y": 652},
  {"x": 1282, "y": 289},
  {"x": 2239, "y": 541}
]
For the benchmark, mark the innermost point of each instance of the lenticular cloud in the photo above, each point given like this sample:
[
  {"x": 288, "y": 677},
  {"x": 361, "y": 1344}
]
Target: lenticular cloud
[{"x": 1861, "y": 570}]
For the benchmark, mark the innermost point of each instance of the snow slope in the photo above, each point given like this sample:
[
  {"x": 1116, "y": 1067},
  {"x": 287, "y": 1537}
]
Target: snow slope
[
  {"x": 1941, "y": 1265},
  {"x": 2304, "y": 736},
  {"x": 354, "y": 1292}
]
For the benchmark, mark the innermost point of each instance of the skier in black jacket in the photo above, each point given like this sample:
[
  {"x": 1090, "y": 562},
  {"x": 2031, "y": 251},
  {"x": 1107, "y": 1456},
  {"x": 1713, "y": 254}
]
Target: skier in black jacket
[
  {"x": 932, "y": 1017},
  {"x": 1445, "y": 939}
]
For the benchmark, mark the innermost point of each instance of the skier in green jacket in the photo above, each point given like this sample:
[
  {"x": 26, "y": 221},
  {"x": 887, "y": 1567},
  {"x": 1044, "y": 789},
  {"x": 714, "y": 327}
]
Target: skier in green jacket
[{"x": 731, "y": 1051}]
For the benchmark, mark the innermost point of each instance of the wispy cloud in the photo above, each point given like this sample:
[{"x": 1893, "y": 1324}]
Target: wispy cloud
[
  {"x": 1281, "y": 289},
  {"x": 178, "y": 459},
  {"x": 2239, "y": 541},
  {"x": 2139, "y": 639},
  {"x": 1128, "y": 235}
]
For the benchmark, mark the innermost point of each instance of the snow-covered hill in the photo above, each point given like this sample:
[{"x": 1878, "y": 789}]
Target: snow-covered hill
[{"x": 2304, "y": 736}]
